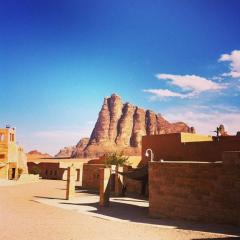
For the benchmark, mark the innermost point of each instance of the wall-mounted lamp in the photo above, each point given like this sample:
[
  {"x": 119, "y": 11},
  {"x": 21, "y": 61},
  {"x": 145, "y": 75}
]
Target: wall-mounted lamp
[{"x": 148, "y": 153}]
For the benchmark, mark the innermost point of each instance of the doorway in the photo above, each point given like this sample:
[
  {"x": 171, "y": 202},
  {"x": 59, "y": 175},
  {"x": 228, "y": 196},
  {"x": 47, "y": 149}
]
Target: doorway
[{"x": 11, "y": 173}]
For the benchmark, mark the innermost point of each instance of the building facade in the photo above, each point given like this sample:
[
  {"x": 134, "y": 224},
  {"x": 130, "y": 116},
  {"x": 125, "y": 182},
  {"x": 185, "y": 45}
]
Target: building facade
[{"x": 12, "y": 157}]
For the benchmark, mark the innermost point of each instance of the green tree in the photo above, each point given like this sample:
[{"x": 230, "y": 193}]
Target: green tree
[{"x": 117, "y": 159}]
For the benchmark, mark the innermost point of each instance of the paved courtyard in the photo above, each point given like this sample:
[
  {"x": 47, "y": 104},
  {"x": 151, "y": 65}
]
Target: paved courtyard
[{"x": 38, "y": 211}]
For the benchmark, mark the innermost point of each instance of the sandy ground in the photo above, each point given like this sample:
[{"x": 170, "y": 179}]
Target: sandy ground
[{"x": 38, "y": 211}]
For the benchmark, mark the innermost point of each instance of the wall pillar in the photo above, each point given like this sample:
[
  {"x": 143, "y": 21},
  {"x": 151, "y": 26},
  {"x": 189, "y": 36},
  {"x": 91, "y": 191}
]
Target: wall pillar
[
  {"x": 118, "y": 181},
  {"x": 78, "y": 175},
  {"x": 16, "y": 174},
  {"x": 104, "y": 189},
  {"x": 71, "y": 177}
]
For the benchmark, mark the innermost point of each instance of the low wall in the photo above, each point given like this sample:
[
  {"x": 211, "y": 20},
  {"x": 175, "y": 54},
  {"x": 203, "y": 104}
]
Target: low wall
[
  {"x": 208, "y": 192},
  {"x": 133, "y": 186},
  {"x": 25, "y": 178},
  {"x": 47, "y": 170},
  {"x": 90, "y": 177}
]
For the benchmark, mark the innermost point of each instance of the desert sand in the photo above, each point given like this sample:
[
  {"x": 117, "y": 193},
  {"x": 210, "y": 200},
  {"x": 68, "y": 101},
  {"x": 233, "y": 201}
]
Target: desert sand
[{"x": 31, "y": 211}]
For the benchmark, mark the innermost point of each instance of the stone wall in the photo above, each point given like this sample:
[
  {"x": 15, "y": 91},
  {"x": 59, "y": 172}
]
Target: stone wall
[
  {"x": 133, "y": 186},
  {"x": 171, "y": 147},
  {"x": 47, "y": 170},
  {"x": 55, "y": 170},
  {"x": 90, "y": 177},
  {"x": 208, "y": 192},
  {"x": 28, "y": 178}
]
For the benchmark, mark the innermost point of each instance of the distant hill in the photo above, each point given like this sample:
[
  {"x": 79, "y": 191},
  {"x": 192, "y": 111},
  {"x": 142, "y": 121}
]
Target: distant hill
[{"x": 37, "y": 155}]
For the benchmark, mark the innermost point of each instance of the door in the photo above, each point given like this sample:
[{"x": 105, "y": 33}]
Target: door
[{"x": 13, "y": 173}]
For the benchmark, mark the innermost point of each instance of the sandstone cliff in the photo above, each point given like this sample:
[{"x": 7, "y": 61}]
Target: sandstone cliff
[
  {"x": 65, "y": 152},
  {"x": 37, "y": 155},
  {"x": 78, "y": 150},
  {"x": 120, "y": 126}
]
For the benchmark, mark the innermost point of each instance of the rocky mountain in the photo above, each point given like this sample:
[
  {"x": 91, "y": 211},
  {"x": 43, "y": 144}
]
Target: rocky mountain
[
  {"x": 37, "y": 155},
  {"x": 120, "y": 127},
  {"x": 78, "y": 150},
  {"x": 65, "y": 152}
]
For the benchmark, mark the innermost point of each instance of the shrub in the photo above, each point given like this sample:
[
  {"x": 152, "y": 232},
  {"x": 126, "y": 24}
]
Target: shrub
[
  {"x": 115, "y": 158},
  {"x": 35, "y": 170},
  {"x": 20, "y": 171}
]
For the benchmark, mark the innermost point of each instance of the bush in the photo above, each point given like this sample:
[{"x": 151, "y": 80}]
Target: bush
[
  {"x": 35, "y": 170},
  {"x": 20, "y": 171},
  {"x": 115, "y": 158}
]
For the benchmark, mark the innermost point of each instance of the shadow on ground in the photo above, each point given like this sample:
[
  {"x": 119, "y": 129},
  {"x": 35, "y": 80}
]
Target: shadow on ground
[
  {"x": 224, "y": 238},
  {"x": 128, "y": 209}
]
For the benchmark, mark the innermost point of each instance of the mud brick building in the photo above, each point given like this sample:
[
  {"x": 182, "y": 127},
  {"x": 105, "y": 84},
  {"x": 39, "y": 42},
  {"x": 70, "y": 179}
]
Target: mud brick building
[
  {"x": 194, "y": 178},
  {"x": 13, "y": 160}
]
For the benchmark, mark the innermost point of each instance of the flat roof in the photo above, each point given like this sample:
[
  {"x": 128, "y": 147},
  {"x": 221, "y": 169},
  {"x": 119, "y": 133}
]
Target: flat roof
[{"x": 59, "y": 160}]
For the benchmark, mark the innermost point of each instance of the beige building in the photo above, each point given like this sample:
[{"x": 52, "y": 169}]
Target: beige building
[{"x": 12, "y": 157}]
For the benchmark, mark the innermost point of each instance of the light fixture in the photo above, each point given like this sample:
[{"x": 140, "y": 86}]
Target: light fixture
[{"x": 148, "y": 153}]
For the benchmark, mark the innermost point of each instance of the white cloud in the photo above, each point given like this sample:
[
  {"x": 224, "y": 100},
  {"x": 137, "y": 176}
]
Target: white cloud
[
  {"x": 191, "y": 82},
  {"x": 163, "y": 93},
  {"x": 191, "y": 86},
  {"x": 234, "y": 59},
  {"x": 205, "y": 119}
]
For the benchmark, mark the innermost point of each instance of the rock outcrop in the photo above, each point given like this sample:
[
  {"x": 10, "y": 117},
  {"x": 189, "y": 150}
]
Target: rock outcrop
[
  {"x": 120, "y": 127},
  {"x": 78, "y": 150},
  {"x": 65, "y": 152},
  {"x": 37, "y": 155}
]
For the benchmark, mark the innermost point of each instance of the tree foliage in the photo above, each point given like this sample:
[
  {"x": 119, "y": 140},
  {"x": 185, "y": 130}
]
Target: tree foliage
[{"x": 117, "y": 159}]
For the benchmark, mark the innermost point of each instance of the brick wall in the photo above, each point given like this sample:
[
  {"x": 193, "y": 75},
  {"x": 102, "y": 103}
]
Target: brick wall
[
  {"x": 208, "y": 192},
  {"x": 90, "y": 176},
  {"x": 133, "y": 186},
  {"x": 170, "y": 148},
  {"x": 47, "y": 170}
]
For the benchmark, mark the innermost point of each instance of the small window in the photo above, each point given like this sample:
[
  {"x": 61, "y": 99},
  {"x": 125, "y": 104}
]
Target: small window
[
  {"x": 55, "y": 172},
  {"x": 2, "y": 137},
  {"x": 2, "y": 156},
  {"x": 46, "y": 172}
]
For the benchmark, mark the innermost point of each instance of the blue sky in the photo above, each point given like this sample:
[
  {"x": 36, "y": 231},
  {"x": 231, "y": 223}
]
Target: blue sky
[{"x": 59, "y": 59}]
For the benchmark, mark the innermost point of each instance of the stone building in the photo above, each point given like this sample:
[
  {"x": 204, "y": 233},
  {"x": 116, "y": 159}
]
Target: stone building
[
  {"x": 188, "y": 147},
  {"x": 56, "y": 168},
  {"x": 194, "y": 177},
  {"x": 13, "y": 160}
]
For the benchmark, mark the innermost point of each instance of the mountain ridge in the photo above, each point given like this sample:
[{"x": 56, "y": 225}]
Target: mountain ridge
[{"x": 120, "y": 127}]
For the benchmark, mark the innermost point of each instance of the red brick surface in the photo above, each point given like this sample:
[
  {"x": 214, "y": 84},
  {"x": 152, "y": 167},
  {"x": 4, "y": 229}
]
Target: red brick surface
[
  {"x": 194, "y": 191},
  {"x": 208, "y": 151},
  {"x": 91, "y": 178}
]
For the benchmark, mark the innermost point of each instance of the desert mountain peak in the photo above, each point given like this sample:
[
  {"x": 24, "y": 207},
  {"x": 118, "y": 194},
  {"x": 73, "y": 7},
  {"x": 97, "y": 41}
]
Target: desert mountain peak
[{"x": 120, "y": 126}]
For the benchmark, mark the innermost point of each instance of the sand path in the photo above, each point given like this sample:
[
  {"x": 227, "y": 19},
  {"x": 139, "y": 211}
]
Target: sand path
[{"x": 24, "y": 215}]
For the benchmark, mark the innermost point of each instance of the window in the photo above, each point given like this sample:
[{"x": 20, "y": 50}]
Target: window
[
  {"x": 2, "y": 156},
  {"x": 2, "y": 137},
  {"x": 11, "y": 137},
  {"x": 46, "y": 172}
]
